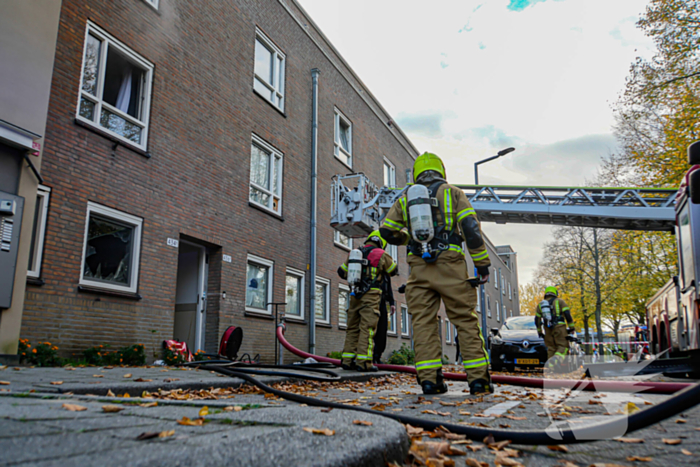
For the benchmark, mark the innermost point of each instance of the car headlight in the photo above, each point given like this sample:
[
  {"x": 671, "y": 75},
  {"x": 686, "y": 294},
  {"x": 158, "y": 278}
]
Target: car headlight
[{"x": 497, "y": 340}]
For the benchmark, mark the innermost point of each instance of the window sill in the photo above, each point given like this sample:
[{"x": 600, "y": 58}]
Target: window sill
[
  {"x": 35, "y": 281},
  {"x": 265, "y": 210},
  {"x": 342, "y": 326},
  {"x": 258, "y": 314},
  {"x": 344, "y": 163},
  {"x": 112, "y": 293},
  {"x": 295, "y": 319},
  {"x": 392, "y": 334},
  {"x": 267, "y": 101},
  {"x": 341, "y": 246},
  {"x": 404, "y": 336},
  {"x": 112, "y": 138},
  {"x": 323, "y": 325}
]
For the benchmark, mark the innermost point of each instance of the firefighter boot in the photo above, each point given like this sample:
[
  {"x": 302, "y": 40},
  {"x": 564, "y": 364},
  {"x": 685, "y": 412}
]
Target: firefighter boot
[
  {"x": 367, "y": 367},
  {"x": 481, "y": 386},
  {"x": 434, "y": 388}
]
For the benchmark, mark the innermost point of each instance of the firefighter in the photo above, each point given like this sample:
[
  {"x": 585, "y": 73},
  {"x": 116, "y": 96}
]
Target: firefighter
[
  {"x": 438, "y": 270},
  {"x": 551, "y": 313},
  {"x": 371, "y": 263}
]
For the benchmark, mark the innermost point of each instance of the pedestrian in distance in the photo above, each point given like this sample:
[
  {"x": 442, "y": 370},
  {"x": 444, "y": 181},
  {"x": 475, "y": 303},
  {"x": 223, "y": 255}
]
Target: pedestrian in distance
[
  {"x": 434, "y": 219},
  {"x": 365, "y": 270}
]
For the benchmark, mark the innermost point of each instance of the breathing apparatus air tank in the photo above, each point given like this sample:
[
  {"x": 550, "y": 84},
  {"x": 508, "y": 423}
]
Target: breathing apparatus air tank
[
  {"x": 546, "y": 313},
  {"x": 421, "y": 216},
  {"x": 354, "y": 270}
]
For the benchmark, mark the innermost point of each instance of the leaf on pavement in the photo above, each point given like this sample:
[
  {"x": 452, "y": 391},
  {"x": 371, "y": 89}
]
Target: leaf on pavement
[
  {"x": 513, "y": 417},
  {"x": 327, "y": 409},
  {"x": 630, "y": 440},
  {"x": 319, "y": 431},
  {"x": 413, "y": 431},
  {"x": 74, "y": 407},
  {"x": 464, "y": 412},
  {"x": 141, "y": 380},
  {"x": 110, "y": 393},
  {"x": 638, "y": 459},
  {"x": 57, "y": 383},
  {"x": 681, "y": 420},
  {"x": 471, "y": 462},
  {"x": 686, "y": 452},
  {"x": 489, "y": 440},
  {"x": 672, "y": 442},
  {"x": 361, "y": 422},
  {"x": 128, "y": 375},
  {"x": 148, "y": 404},
  {"x": 98, "y": 376},
  {"x": 204, "y": 411},
  {"x": 558, "y": 448},
  {"x": 431, "y": 412},
  {"x": 186, "y": 421},
  {"x": 110, "y": 408},
  {"x": 499, "y": 445},
  {"x": 166, "y": 434},
  {"x": 4, "y": 383},
  {"x": 474, "y": 448},
  {"x": 148, "y": 435},
  {"x": 507, "y": 461}
]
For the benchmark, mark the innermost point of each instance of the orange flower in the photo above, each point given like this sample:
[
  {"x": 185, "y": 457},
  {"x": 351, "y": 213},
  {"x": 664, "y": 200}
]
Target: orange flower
[{"x": 33, "y": 350}]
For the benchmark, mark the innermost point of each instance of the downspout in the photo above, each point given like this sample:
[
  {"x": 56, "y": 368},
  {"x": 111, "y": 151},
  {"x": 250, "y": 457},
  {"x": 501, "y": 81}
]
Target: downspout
[{"x": 314, "y": 176}]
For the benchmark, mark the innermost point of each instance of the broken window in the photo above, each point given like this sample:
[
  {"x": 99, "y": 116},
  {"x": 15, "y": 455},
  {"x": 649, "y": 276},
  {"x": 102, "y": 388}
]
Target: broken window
[
  {"x": 111, "y": 249},
  {"x": 115, "y": 88}
]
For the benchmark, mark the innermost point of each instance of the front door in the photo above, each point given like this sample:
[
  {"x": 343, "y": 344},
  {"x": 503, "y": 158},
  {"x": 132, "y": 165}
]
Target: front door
[{"x": 190, "y": 295}]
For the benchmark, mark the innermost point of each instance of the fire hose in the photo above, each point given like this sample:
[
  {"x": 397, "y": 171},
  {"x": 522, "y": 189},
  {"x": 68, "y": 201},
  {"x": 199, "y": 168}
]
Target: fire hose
[{"x": 580, "y": 385}]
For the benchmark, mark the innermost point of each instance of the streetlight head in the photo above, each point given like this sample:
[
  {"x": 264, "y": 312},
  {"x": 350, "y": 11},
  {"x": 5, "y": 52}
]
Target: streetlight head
[{"x": 503, "y": 152}]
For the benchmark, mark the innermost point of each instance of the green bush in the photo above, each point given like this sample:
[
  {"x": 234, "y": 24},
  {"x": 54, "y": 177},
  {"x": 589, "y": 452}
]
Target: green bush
[
  {"x": 132, "y": 355},
  {"x": 336, "y": 355},
  {"x": 43, "y": 354},
  {"x": 404, "y": 356},
  {"x": 172, "y": 357}
]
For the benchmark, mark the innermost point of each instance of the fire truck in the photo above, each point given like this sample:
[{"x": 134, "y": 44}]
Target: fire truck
[{"x": 673, "y": 312}]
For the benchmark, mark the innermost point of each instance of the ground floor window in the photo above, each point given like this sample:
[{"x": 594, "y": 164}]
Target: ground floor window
[
  {"x": 448, "y": 331},
  {"x": 391, "y": 328},
  {"x": 111, "y": 249},
  {"x": 322, "y": 304},
  {"x": 38, "y": 231},
  {"x": 343, "y": 304},
  {"x": 404, "y": 320},
  {"x": 258, "y": 284},
  {"x": 294, "y": 294}
]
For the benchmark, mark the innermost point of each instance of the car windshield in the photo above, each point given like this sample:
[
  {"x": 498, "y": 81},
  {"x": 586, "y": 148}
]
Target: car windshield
[{"x": 520, "y": 323}]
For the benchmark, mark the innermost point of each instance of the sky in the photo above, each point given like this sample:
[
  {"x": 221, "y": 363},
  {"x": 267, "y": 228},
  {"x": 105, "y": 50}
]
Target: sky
[{"x": 465, "y": 78}]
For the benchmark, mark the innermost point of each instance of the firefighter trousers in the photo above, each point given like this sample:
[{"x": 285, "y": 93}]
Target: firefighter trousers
[
  {"x": 427, "y": 285},
  {"x": 555, "y": 340},
  {"x": 363, "y": 316}
]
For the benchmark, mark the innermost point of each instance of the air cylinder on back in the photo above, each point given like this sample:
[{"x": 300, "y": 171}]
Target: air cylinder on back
[
  {"x": 421, "y": 216},
  {"x": 355, "y": 268}
]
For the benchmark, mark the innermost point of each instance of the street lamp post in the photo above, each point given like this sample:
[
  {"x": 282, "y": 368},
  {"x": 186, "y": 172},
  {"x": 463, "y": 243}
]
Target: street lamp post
[
  {"x": 500, "y": 153},
  {"x": 482, "y": 291}
]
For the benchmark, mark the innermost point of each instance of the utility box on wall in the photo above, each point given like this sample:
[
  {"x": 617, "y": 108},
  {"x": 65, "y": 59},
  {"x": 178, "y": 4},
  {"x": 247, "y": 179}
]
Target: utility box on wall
[{"x": 11, "y": 208}]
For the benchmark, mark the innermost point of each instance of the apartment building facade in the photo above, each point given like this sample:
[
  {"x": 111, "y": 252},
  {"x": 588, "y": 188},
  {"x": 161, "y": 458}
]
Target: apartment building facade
[{"x": 177, "y": 169}]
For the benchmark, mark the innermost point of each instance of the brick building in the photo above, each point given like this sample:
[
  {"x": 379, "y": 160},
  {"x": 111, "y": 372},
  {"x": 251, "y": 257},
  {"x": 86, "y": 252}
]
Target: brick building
[{"x": 177, "y": 168}]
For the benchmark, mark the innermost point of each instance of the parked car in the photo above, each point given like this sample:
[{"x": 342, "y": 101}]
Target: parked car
[{"x": 517, "y": 344}]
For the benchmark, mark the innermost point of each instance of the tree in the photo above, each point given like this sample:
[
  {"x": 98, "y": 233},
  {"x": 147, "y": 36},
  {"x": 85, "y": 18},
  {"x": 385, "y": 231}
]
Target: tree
[{"x": 530, "y": 296}]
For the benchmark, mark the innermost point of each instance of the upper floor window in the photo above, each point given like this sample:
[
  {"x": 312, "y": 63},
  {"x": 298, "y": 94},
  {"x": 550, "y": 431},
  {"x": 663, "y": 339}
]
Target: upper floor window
[
  {"x": 393, "y": 251},
  {"x": 404, "y": 320},
  {"x": 266, "y": 176},
  {"x": 269, "y": 70},
  {"x": 111, "y": 249},
  {"x": 38, "y": 231},
  {"x": 488, "y": 306},
  {"x": 503, "y": 285},
  {"x": 448, "y": 331},
  {"x": 510, "y": 292},
  {"x": 389, "y": 173},
  {"x": 343, "y": 304},
  {"x": 498, "y": 312},
  {"x": 115, "y": 89},
  {"x": 341, "y": 240},
  {"x": 495, "y": 280},
  {"x": 343, "y": 138}
]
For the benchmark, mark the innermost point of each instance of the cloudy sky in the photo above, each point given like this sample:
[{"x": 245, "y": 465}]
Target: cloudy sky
[{"x": 465, "y": 78}]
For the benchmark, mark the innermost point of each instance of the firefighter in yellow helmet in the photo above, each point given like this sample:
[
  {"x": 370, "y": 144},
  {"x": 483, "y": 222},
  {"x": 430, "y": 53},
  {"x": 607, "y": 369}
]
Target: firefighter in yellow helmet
[
  {"x": 551, "y": 313},
  {"x": 433, "y": 219},
  {"x": 364, "y": 269}
]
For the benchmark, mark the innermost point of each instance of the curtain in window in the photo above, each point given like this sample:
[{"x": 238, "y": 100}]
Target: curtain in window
[{"x": 344, "y": 137}]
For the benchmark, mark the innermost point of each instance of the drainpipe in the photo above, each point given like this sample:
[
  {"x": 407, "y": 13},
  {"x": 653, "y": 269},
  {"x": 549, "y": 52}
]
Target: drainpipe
[{"x": 312, "y": 255}]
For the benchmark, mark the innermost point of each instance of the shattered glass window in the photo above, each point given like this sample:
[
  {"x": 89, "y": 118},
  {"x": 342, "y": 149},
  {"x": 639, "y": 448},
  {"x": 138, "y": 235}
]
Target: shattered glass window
[{"x": 108, "y": 251}]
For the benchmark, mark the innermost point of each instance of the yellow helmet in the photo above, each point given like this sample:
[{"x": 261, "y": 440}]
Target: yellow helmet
[
  {"x": 428, "y": 161},
  {"x": 376, "y": 237},
  {"x": 551, "y": 290}
]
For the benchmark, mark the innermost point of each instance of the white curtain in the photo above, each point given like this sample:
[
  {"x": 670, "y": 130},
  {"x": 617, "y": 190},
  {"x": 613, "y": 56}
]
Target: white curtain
[{"x": 124, "y": 96}]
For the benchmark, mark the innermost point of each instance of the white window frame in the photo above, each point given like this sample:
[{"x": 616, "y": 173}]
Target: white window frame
[
  {"x": 391, "y": 325},
  {"x": 393, "y": 251},
  {"x": 343, "y": 288},
  {"x": 336, "y": 241},
  {"x": 274, "y": 153},
  {"x": 392, "y": 173},
  {"x": 495, "y": 280},
  {"x": 448, "y": 331},
  {"x": 336, "y": 140},
  {"x": 113, "y": 214},
  {"x": 302, "y": 287},
  {"x": 109, "y": 41},
  {"x": 478, "y": 300},
  {"x": 153, "y": 3},
  {"x": 510, "y": 292},
  {"x": 278, "y": 72},
  {"x": 488, "y": 305},
  {"x": 257, "y": 260},
  {"x": 44, "y": 197},
  {"x": 327, "y": 283},
  {"x": 407, "y": 331},
  {"x": 498, "y": 312},
  {"x": 503, "y": 285}
]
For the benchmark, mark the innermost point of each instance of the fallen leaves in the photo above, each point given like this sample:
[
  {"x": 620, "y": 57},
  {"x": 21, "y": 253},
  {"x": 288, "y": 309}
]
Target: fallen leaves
[
  {"x": 558, "y": 448},
  {"x": 110, "y": 393},
  {"x": 128, "y": 375},
  {"x": 4, "y": 383},
  {"x": 141, "y": 380},
  {"x": 56, "y": 383},
  {"x": 681, "y": 420},
  {"x": 686, "y": 452},
  {"x": 187, "y": 422},
  {"x": 319, "y": 431},
  {"x": 204, "y": 411},
  {"x": 155, "y": 434},
  {"x": 471, "y": 462},
  {"x": 98, "y": 376},
  {"x": 148, "y": 404},
  {"x": 638, "y": 459},
  {"x": 110, "y": 408},
  {"x": 361, "y": 422},
  {"x": 433, "y": 453},
  {"x": 74, "y": 407},
  {"x": 671, "y": 442},
  {"x": 630, "y": 440},
  {"x": 234, "y": 408}
]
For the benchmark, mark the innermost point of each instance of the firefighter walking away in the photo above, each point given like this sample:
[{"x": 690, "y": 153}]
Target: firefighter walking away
[
  {"x": 552, "y": 313},
  {"x": 364, "y": 270},
  {"x": 433, "y": 219}
]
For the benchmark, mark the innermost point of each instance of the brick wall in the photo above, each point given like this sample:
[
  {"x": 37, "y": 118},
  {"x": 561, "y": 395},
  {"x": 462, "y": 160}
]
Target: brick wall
[{"x": 195, "y": 184}]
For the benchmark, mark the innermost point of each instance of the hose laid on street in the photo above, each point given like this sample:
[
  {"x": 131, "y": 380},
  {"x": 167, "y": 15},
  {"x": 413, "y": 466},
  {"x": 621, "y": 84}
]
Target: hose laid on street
[
  {"x": 647, "y": 387},
  {"x": 615, "y": 426}
]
